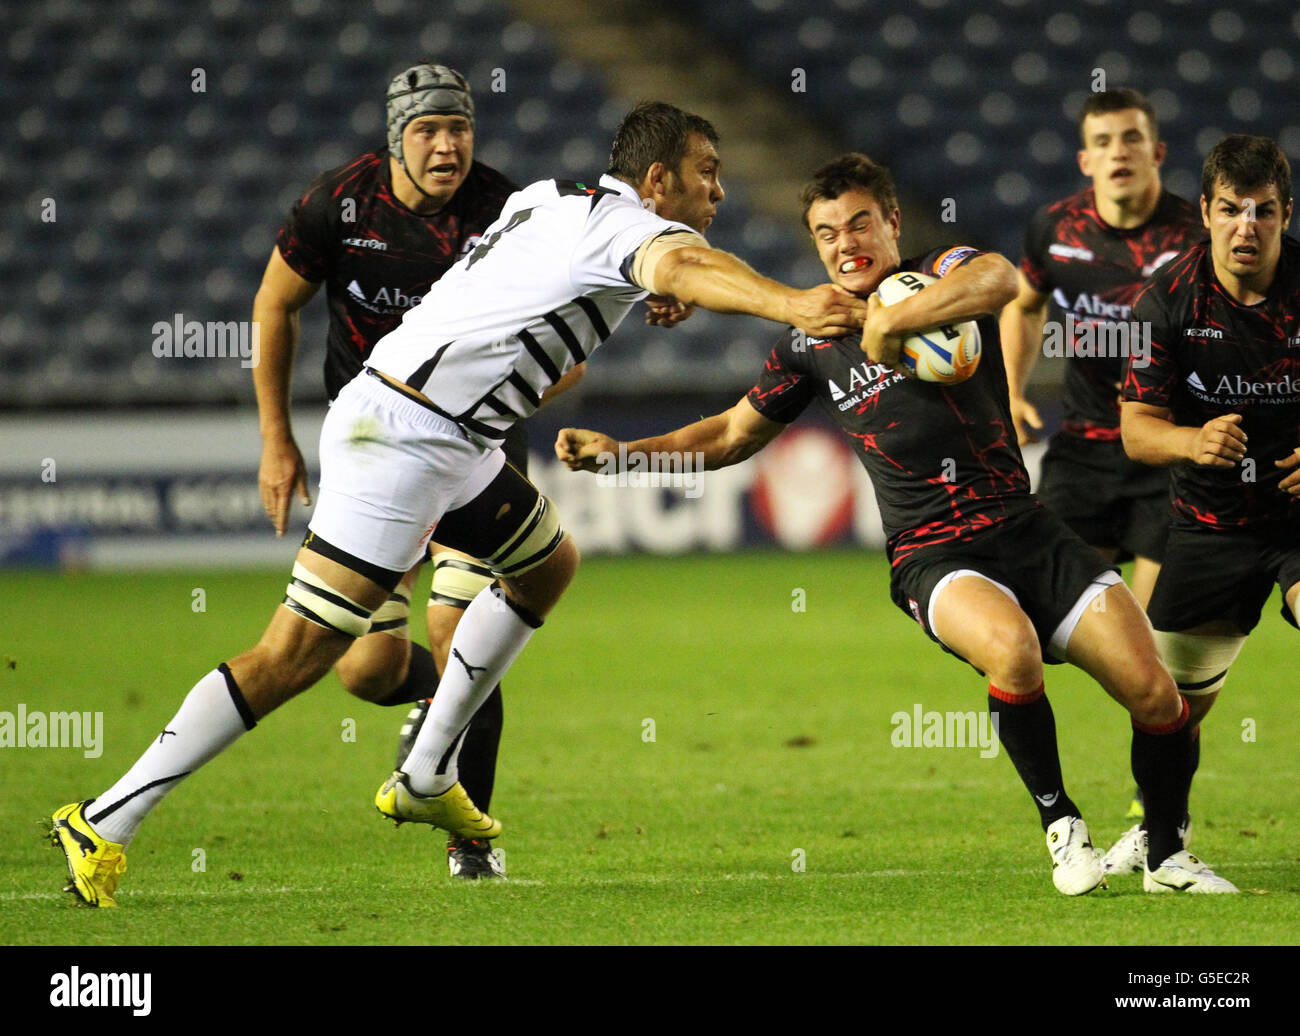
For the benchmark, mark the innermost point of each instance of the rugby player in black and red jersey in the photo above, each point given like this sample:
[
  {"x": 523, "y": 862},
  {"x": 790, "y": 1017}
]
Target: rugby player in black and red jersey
[
  {"x": 989, "y": 573},
  {"x": 378, "y": 231},
  {"x": 1089, "y": 255},
  {"x": 1220, "y": 402}
]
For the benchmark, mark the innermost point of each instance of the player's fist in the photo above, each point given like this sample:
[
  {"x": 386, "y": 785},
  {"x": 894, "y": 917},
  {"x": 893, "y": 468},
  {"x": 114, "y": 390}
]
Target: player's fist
[
  {"x": 579, "y": 448},
  {"x": 1220, "y": 442},
  {"x": 826, "y": 311},
  {"x": 1024, "y": 415},
  {"x": 280, "y": 474},
  {"x": 1291, "y": 483},
  {"x": 666, "y": 311},
  {"x": 881, "y": 345}
]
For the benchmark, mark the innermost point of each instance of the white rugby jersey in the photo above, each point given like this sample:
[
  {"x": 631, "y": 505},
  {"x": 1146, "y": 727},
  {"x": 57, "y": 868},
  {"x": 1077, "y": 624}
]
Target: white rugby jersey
[{"x": 546, "y": 285}]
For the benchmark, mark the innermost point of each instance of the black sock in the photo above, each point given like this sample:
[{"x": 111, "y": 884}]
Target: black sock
[
  {"x": 1027, "y": 728},
  {"x": 1162, "y": 765},
  {"x": 478, "y": 755},
  {"x": 421, "y": 679},
  {"x": 1196, "y": 765}
]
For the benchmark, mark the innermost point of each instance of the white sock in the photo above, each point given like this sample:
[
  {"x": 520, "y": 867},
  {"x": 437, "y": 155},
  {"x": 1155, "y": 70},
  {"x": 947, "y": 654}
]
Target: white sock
[
  {"x": 212, "y": 716},
  {"x": 489, "y": 638}
]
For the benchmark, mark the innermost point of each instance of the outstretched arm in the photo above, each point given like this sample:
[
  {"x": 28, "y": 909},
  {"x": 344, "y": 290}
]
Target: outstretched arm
[
  {"x": 724, "y": 439},
  {"x": 684, "y": 267}
]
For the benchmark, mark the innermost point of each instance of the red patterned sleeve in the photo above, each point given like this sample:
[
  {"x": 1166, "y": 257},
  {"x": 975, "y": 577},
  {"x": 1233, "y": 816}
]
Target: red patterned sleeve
[
  {"x": 1151, "y": 378},
  {"x": 307, "y": 240},
  {"x": 1033, "y": 263},
  {"x": 784, "y": 389}
]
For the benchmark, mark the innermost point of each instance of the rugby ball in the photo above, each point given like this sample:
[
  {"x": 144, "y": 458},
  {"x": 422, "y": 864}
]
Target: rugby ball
[{"x": 943, "y": 355}]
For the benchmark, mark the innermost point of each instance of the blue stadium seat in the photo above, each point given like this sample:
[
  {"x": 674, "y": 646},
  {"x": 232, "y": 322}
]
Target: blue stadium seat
[{"x": 293, "y": 91}]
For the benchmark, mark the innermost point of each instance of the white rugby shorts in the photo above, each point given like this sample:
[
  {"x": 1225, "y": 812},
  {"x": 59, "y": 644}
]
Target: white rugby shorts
[{"x": 390, "y": 469}]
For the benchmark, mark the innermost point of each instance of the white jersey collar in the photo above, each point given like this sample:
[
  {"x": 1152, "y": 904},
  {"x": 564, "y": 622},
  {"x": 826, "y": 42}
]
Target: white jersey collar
[{"x": 624, "y": 188}]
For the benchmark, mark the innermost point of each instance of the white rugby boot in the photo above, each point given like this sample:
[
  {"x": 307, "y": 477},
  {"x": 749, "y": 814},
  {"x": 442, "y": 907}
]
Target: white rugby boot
[
  {"x": 1184, "y": 872},
  {"x": 1076, "y": 865}
]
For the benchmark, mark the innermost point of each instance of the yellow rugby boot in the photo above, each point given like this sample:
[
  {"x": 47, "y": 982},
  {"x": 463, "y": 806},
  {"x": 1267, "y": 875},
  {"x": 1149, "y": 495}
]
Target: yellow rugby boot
[
  {"x": 94, "y": 864},
  {"x": 452, "y": 810}
]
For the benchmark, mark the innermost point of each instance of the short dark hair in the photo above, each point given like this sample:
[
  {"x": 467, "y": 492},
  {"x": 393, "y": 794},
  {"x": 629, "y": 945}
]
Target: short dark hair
[
  {"x": 1244, "y": 161},
  {"x": 844, "y": 174},
  {"x": 654, "y": 131},
  {"x": 1118, "y": 100}
]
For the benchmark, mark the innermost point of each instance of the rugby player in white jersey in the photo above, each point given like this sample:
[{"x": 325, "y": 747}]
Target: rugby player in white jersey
[
  {"x": 412, "y": 444},
  {"x": 417, "y": 206}
]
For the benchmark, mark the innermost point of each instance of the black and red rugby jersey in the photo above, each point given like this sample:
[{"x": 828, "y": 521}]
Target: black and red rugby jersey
[
  {"x": 943, "y": 460},
  {"x": 1093, "y": 272},
  {"x": 1210, "y": 356},
  {"x": 381, "y": 262}
]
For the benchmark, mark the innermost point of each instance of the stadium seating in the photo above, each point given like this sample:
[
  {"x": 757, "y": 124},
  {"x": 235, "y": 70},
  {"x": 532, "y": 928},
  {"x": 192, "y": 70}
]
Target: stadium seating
[
  {"x": 167, "y": 196},
  {"x": 978, "y": 101},
  {"x": 172, "y": 139}
]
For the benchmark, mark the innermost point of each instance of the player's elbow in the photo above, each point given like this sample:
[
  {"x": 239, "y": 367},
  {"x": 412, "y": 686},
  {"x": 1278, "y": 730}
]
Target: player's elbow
[
  {"x": 1131, "y": 434},
  {"x": 1003, "y": 284},
  {"x": 271, "y": 305},
  {"x": 734, "y": 450},
  {"x": 676, "y": 272},
  {"x": 1022, "y": 308},
  {"x": 744, "y": 436}
]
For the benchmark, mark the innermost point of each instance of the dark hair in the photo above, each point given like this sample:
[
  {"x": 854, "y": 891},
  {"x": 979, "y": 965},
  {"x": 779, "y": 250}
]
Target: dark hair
[
  {"x": 653, "y": 132},
  {"x": 1118, "y": 100},
  {"x": 1245, "y": 162},
  {"x": 844, "y": 174}
]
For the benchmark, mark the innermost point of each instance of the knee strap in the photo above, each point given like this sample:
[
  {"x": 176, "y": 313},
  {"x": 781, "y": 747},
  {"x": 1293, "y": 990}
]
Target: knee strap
[
  {"x": 457, "y": 580},
  {"x": 1199, "y": 664},
  {"x": 536, "y": 539},
  {"x": 312, "y": 598},
  {"x": 393, "y": 617}
]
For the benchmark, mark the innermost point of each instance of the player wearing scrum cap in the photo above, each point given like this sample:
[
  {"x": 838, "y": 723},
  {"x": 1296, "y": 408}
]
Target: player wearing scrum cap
[
  {"x": 412, "y": 445},
  {"x": 1220, "y": 403},
  {"x": 991, "y": 576},
  {"x": 377, "y": 232}
]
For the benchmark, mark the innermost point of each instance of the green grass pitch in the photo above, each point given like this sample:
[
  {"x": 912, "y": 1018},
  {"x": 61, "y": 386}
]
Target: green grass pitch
[{"x": 770, "y": 807}]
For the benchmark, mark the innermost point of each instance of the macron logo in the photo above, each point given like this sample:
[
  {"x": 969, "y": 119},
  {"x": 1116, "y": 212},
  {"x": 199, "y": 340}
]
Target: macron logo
[
  {"x": 1070, "y": 252},
  {"x": 127, "y": 989}
]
